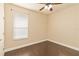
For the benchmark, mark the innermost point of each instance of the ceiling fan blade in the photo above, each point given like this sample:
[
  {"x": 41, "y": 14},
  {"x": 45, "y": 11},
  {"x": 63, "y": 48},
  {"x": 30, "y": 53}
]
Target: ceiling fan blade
[
  {"x": 56, "y": 3},
  {"x": 42, "y": 8}
]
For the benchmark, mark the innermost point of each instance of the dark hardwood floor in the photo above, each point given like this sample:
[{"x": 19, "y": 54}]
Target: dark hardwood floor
[{"x": 43, "y": 49}]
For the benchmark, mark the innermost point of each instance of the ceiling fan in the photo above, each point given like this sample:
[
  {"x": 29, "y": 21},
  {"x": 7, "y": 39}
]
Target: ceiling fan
[{"x": 49, "y": 6}]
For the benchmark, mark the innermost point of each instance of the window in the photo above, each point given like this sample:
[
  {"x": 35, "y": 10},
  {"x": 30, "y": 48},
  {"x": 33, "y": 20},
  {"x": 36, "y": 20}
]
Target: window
[{"x": 20, "y": 25}]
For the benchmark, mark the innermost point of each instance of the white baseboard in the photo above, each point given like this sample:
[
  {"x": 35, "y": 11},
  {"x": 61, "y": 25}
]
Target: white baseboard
[
  {"x": 25, "y": 45},
  {"x": 59, "y": 43},
  {"x": 21, "y": 46}
]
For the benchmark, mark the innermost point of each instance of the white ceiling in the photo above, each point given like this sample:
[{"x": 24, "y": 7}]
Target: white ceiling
[{"x": 36, "y": 7}]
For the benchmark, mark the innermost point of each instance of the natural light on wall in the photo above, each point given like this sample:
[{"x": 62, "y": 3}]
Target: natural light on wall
[{"x": 20, "y": 25}]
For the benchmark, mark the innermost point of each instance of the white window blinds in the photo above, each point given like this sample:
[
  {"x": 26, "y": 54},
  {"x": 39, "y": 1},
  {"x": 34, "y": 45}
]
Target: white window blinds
[{"x": 20, "y": 25}]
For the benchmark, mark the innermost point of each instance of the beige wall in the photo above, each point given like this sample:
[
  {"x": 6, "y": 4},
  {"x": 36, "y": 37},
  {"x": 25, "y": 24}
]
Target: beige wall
[
  {"x": 64, "y": 26},
  {"x": 37, "y": 26}
]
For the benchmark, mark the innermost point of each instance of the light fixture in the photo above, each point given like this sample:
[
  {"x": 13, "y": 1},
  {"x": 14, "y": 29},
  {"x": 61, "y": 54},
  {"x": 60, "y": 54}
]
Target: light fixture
[{"x": 50, "y": 7}]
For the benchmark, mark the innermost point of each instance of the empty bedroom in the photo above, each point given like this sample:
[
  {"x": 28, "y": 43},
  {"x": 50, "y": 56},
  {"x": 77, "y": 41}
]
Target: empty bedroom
[{"x": 39, "y": 29}]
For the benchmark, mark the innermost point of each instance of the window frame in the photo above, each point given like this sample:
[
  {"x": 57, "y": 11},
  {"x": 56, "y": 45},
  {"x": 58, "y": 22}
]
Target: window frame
[{"x": 27, "y": 17}]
